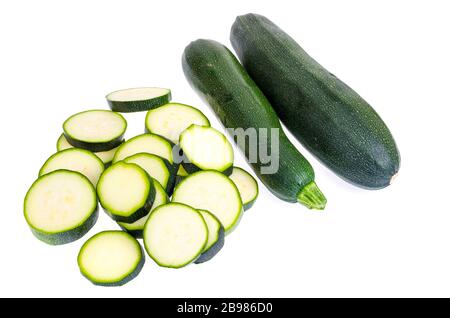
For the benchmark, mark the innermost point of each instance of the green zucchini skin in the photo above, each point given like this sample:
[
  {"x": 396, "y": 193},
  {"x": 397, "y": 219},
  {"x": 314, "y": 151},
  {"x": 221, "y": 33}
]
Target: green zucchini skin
[
  {"x": 138, "y": 105},
  {"x": 132, "y": 106},
  {"x": 328, "y": 117},
  {"x": 97, "y": 146},
  {"x": 192, "y": 168},
  {"x": 214, "y": 249},
  {"x": 218, "y": 77}
]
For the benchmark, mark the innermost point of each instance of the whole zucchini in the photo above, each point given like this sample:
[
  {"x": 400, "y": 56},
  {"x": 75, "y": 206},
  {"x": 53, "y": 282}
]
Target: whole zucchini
[
  {"x": 323, "y": 113},
  {"x": 218, "y": 77}
]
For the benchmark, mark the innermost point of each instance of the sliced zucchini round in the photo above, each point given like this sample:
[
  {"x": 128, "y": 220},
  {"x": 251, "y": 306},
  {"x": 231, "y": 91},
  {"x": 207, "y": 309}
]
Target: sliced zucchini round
[
  {"x": 247, "y": 186},
  {"x": 126, "y": 192},
  {"x": 60, "y": 207},
  {"x": 214, "y": 192},
  {"x": 205, "y": 148},
  {"x": 105, "y": 156},
  {"x": 149, "y": 143},
  {"x": 95, "y": 130},
  {"x": 158, "y": 168},
  {"x": 175, "y": 235},
  {"x": 172, "y": 119},
  {"x": 75, "y": 159},
  {"x": 137, "y": 227},
  {"x": 138, "y": 99},
  {"x": 216, "y": 237},
  {"x": 111, "y": 258}
]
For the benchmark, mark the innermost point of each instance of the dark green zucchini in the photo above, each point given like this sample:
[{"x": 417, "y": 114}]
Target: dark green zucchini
[
  {"x": 215, "y": 73},
  {"x": 329, "y": 118}
]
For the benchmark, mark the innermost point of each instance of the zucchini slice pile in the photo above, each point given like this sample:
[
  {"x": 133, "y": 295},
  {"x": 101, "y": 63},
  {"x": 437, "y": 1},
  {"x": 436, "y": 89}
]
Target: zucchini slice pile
[{"x": 173, "y": 186}]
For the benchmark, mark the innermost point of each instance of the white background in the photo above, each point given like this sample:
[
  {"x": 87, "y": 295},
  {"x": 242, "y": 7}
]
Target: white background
[{"x": 61, "y": 57}]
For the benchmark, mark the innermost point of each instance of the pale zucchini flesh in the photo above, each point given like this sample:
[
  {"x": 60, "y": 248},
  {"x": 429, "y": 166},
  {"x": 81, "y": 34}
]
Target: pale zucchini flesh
[
  {"x": 149, "y": 143},
  {"x": 136, "y": 228},
  {"x": 95, "y": 130},
  {"x": 247, "y": 186},
  {"x": 216, "y": 237},
  {"x": 138, "y": 99},
  {"x": 60, "y": 207},
  {"x": 75, "y": 159},
  {"x": 205, "y": 148},
  {"x": 126, "y": 192},
  {"x": 175, "y": 235},
  {"x": 214, "y": 192},
  {"x": 111, "y": 258},
  {"x": 172, "y": 119},
  {"x": 105, "y": 156},
  {"x": 158, "y": 168}
]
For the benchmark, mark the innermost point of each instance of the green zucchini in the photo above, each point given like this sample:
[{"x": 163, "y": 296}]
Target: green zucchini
[
  {"x": 215, "y": 73},
  {"x": 328, "y": 117},
  {"x": 95, "y": 130},
  {"x": 126, "y": 192},
  {"x": 138, "y": 99},
  {"x": 105, "y": 156},
  {"x": 111, "y": 258},
  {"x": 60, "y": 207}
]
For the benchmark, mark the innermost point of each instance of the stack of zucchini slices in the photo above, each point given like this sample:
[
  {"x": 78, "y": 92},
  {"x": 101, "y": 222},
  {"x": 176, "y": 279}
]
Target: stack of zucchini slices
[{"x": 174, "y": 186}]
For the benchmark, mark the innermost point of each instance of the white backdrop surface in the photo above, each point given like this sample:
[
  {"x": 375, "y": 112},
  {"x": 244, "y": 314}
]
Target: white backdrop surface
[{"x": 61, "y": 57}]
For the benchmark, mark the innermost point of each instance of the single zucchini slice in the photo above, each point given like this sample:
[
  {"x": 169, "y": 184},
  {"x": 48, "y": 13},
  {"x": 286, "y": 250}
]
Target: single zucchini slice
[
  {"x": 175, "y": 235},
  {"x": 95, "y": 130},
  {"x": 206, "y": 148},
  {"x": 136, "y": 228},
  {"x": 216, "y": 237},
  {"x": 105, "y": 156},
  {"x": 149, "y": 143},
  {"x": 158, "y": 168},
  {"x": 214, "y": 192},
  {"x": 126, "y": 192},
  {"x": 247, "y": 186},
  {"x": 138, "y": 99},
  {"x": 75, "y": 159},
  {"x": 60, "y": 207},
  {"x": 172, "y": 119},
  {"x": 111, "y": 258}
]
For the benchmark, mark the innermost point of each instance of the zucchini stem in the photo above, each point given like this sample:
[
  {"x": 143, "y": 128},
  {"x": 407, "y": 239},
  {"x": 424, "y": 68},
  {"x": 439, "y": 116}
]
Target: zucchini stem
[{"x": 311, "y": 197}]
